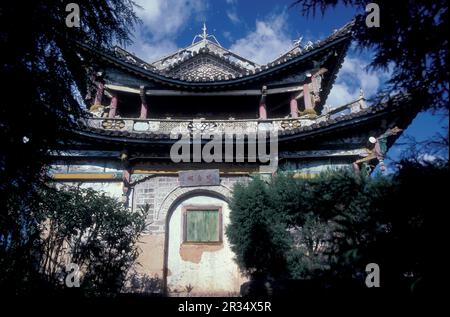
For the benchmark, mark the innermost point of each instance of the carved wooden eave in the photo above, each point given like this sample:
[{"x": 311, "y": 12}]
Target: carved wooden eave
[
  {"x": 219, "y": 69},
  {"x": 399, "y": 110}
]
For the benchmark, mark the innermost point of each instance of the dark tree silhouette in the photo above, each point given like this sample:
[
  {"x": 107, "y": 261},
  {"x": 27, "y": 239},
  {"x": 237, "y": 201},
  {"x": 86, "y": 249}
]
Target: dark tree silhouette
[
  {"x": 326, "y": 230},
  {"x": 38, "y": 70},
  {"x": 412, "y": 37},
  {"x": 39, "y": 95}
]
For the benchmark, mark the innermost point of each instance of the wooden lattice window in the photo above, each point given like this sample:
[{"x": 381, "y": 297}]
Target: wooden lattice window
[{"x": 202, "y": 224}]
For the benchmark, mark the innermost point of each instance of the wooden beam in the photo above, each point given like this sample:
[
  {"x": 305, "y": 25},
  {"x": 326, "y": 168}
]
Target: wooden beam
[
  {"x": 123, "y": 88},
  {"x": 175, "y": 172},
  {"x": 273, "y": 91},
  {"x": 164, "y": 92},
  {"x": 86, "y": 176}
]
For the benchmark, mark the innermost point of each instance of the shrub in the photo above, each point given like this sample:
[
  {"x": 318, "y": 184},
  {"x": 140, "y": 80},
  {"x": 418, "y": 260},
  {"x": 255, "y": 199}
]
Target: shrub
[
  {"x": 335, "y": 224},
  {"x": 73, "y": 225}
]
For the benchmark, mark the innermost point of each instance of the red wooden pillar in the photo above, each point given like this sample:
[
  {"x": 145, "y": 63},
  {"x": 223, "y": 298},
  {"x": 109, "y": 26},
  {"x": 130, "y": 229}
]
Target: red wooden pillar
[
  {"x": 262, "y": 108},
  {"x": 294, "y": 106},
  {"x": 307, "y": 97},
  {"x": 262, "y": 104},
  {"x": 144, "y": 110},
  {"x": 144, "y": 106},
  {"x": 113, "y": 106},
  {"x": 99, "y": 93}
]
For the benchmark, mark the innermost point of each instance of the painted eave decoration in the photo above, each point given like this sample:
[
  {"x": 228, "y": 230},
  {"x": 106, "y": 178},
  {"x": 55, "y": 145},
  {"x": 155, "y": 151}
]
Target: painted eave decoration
[
  {"x": 240, "y": 70},
  {"x": 398, "y": 106}
]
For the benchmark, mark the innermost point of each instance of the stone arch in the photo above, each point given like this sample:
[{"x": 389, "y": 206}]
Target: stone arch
[
  {"x": 169, "y": 205},
  {"x": 179, "y": 193}
]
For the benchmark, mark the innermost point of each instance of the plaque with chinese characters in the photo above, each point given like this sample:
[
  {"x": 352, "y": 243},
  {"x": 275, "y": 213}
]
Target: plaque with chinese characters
[{"x": 199, "y": 178}]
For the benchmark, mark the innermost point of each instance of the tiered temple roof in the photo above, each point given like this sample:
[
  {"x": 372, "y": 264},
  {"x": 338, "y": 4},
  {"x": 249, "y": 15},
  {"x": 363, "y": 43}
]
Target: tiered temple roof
[
  {"x": 207, "y": 66},
  {"x": 205, "y": 88},
  {"x": 201, "y": 57}
]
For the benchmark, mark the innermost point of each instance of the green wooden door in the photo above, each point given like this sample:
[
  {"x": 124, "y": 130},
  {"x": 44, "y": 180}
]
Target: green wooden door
[{"x": 202, "y": 226}]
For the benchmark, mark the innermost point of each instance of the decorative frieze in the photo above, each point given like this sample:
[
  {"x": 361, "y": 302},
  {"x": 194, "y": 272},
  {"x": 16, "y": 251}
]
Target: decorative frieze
[
  {"x": 140, "y": 126},
  {"x": 202, "y": 127},
  {"x": 113, "y": 124},
  {"x": 323, "y": 153},
  {"x": 207, "y": 127}
]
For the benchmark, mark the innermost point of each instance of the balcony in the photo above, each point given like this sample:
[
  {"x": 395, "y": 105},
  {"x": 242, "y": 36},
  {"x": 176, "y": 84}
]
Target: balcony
[{"x": 203, "y": 126}]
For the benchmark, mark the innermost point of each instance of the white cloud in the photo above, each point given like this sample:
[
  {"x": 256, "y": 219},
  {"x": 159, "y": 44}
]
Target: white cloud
[
  {"x": 232, "y": 15},
  {"x": 427, "y": 158},
  {"x": 266, "y": 42},
  {"x": 341, "y": 94},
  {"x": 232, "y": 12},
  {"x": 162, "y": 20},
  {"x": 227, "y": 35},
  {"x": 353, "y": 76},
  {"x": 150, "y": 51}
]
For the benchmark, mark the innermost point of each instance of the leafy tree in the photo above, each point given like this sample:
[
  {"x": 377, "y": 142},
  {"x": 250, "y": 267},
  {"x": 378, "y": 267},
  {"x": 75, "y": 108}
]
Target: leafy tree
[
  {"x": 327, "y": 229},
  {"x": 308, "y": 256},
  {"x": 409, "y": 242},
  {"x": 41, "y": 79},
  {"x": 412, "y": 37},
  {"x": 40, "y": 65},
  {"x": 80, "y": 226},
  {"x": 258, "y": 241}
]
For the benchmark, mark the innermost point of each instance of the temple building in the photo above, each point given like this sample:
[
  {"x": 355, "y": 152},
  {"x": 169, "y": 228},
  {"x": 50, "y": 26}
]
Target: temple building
[{"x": 143, "y": 115}]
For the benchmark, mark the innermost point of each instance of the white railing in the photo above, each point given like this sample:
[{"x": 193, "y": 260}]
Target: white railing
[{"x": 169, "y": 125}]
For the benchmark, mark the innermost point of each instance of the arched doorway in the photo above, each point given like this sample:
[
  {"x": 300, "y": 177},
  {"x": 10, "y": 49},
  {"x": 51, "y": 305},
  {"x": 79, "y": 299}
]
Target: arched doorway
[{"x": 198, "y": 258}]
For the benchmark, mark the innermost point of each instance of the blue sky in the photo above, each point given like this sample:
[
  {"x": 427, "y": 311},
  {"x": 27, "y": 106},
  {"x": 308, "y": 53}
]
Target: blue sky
[{"x": 261, "y": 30}]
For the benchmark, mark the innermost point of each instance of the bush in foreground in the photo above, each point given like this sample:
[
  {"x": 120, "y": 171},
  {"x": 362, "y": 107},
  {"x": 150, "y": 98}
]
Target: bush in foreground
[{"x": 329, "y": 228}]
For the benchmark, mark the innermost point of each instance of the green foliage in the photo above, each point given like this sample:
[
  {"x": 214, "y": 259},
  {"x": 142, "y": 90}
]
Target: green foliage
[
  {"x": 290, "y": 217},
  {"x": 42, "y": 76},
  {"x": 308, "y": 254},
  {"x": 43, "y": 80},
  {"x": 335, "y": 224},
  {"x": 412, "y": 38},
  {"x": 255, "y": 231},
  {"x": 81, "y": 226}
]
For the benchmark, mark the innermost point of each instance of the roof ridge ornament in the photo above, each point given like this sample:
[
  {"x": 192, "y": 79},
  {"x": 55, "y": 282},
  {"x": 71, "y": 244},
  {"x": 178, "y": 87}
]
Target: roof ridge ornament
[
  {"x": 298, "y": 42},
  {"x": 204, "y": 36}
]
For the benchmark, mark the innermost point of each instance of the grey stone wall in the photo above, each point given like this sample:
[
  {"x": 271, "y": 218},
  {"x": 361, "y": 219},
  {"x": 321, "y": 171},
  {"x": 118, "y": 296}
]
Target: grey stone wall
[{"x": 159, "y": 192}]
